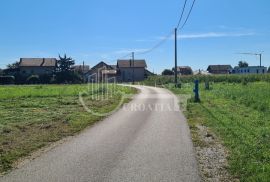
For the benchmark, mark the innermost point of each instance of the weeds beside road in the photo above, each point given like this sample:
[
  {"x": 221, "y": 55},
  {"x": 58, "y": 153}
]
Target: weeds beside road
[
  {"x": 32, "y": 117},
  {"x": 238, "y": 114}
]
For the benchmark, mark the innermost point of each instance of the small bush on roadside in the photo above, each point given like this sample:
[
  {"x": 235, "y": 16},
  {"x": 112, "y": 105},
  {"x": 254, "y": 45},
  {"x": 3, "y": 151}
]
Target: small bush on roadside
[
  {"x": 34, "y": 79},
  {"x": 7, "y": 80}
]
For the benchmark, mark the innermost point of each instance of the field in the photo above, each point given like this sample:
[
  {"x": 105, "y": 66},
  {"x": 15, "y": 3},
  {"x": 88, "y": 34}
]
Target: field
[
  {"x": 238, "y": 113},
  {"x": 32, "y": 117},
  {"x": 163, "y": 80}
]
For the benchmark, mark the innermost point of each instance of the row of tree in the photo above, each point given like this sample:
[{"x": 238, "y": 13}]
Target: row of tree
[{"x": 63, "y": 73}]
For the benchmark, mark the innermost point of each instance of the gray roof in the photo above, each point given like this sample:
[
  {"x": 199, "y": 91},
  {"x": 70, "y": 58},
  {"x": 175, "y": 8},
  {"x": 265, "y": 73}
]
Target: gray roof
[
  {"x": 83, "y": 68},
  {"x": 38, "y": 62},
  {"x": 219, "y": 67},
  {"x": 129, "y": 64},
  {"x": 179, "y": 68}
]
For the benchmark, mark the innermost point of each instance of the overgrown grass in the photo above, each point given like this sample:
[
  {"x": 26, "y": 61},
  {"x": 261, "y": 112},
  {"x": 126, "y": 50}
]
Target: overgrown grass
[
  {"x": 163, "y": 80},
  {"x": 239, "y": 115},
  {"x": 34, "y": 116}
]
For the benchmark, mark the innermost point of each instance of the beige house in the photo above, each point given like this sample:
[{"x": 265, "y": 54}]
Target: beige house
[
  {"x": 101, "y": 72},
  {"x": 130, "y": 70},
  {"x": 37, "y": 66}
]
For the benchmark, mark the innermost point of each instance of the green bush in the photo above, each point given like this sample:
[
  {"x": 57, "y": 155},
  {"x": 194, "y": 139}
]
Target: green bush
[
  {"x": 68, "y": 77},
  {"x": 34, "y": 79},
  {"x": 163, "y": 80},
  {"x": 6, "y": 80}
]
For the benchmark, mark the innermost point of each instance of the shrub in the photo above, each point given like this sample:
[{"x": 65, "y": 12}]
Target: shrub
[
  {"x": 6, "y": 80},
  {"x": 34, "y": 79},
  {"x": 162, "y": 80},
  {"x": 68, "y": 77}
]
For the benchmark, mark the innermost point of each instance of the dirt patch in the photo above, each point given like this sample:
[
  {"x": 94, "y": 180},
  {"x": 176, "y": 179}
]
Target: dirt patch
[{"x": 212, "y": 157}]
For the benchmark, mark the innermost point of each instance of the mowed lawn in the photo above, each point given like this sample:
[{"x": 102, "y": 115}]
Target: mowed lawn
[
  {"x": 239, "y": 114},
  {"x": 32, "y": 117}
]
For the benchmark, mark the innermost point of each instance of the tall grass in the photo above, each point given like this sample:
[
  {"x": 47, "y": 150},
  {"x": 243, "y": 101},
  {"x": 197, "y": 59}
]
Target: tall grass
[
  {"x": 239, "y": 114},
  {"x": 163, "y": 80}
]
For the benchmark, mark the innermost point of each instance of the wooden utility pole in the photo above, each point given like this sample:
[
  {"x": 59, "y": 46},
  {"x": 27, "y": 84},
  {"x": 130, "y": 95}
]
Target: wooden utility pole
[
  {"x": 133, "y": 79},
  {"x": 175, "y": 67}
]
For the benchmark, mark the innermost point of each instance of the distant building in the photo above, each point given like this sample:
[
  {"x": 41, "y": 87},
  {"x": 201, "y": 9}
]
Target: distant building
[
  {"x": 37, "y": 66},
  {"x": 201, "y": 72},
  {"x": 100, "y": 72},
  {"x": 249, "y": 70},
  {"x": 219, "y": 69},
  {"x": 81, "y": 68},
  {"x": 184, "y": 70},
  {"x": 131, "y": 70}
]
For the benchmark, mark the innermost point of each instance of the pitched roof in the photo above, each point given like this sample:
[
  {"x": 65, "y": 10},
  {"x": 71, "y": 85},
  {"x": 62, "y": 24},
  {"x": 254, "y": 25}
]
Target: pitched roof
[
  {"x": 179, "y": 68},
  {"x": 219, "y": 67},
  {"x": 101, "y": 65},
  {"x": 37, "y": 62},
  {"x": 113, "y": 66},
  {"x": 129, "y": 64},
  {"x": 83, "y": 68}
]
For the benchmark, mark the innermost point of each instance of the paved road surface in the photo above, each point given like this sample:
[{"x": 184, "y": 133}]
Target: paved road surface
[{"x": 144, "y": 141}]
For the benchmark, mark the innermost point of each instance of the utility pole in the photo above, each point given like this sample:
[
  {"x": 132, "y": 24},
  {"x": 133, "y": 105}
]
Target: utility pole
[
  {"x": 260, "y": 60},
  {"x": 255, "y": 54},
  {"x": 133, "y": 79},
  {"x": 83, "y": 73},
  {"x": 175, "y": 67}
]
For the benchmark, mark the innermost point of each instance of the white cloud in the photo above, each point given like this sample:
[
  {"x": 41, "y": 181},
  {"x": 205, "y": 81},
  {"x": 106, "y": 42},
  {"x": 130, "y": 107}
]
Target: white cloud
[
  {"x": 210, "y": 35},
  {"x": 214, "y": 35},
  {"x": 126, "y": 51}
]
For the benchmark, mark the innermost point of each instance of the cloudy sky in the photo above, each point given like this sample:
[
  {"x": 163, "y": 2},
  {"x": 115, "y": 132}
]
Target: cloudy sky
[{"x": 105, "y": 30}]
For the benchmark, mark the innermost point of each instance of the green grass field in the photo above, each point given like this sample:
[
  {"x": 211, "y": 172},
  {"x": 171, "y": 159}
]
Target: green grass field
[
  {"x": 239, "y": 114},
  {"x": 32, "y": 117}
]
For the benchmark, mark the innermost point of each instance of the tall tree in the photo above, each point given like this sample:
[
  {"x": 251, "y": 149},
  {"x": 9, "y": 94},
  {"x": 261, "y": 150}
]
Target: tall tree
[
  {"x": 64, "y": 63},
  {"x": 167, "y": 72},
  {"x": 13, "y": 65},
  {"x": 242, "y": 64},
  {"x": 268, "y": 70}
]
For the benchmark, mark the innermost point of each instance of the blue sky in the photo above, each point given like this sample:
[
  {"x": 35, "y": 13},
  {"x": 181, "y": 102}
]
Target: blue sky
[{"x": 104, "y": 30}]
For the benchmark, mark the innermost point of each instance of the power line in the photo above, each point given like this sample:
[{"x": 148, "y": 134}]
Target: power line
[
  {"x": 189, "y": 13},
  {"x": 157, "y": 45},
  {"x": 181, "y": 17}
]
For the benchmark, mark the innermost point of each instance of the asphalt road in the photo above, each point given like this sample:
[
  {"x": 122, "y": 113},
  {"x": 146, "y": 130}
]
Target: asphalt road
[{"x": 147, "y": 140}]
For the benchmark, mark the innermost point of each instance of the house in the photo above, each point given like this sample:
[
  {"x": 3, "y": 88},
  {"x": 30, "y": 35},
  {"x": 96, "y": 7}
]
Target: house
[
  {"x": 219, "y": 69},
  {"x": 101, "y": 72},
  {"x": 249, "y": 70},
  {"x": 37, "y": 66},
  {"x": 184, "y": 70},
  {"x": 201, "y": 72},
  {"x": 130, "y": 70},
  {"x": 81, "y": 68},
  {"x": 149, "y": 73}
]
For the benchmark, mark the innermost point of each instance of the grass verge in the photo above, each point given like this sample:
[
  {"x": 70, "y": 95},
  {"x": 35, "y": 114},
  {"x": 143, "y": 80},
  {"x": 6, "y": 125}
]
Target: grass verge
[
  {"x": 32, "y": 117},
  {"x": 239, "y": 116}
]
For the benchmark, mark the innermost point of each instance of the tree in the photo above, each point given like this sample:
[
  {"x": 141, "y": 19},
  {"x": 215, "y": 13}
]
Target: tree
[
  {"x": 13, "y": 65},
  {"x": 268, "y": 70},
  {"x": 65, "y": 63},
  {"x": 64, "y": 73},
  {"x": 167, "y": 72},
  {"x": 242, "y": 64},
  {"x": 12, "y": 69}
]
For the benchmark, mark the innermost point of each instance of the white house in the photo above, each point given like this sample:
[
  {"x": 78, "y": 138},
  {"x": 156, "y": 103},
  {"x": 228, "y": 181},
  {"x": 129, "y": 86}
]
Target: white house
[{"x": 249, "y": 70}]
